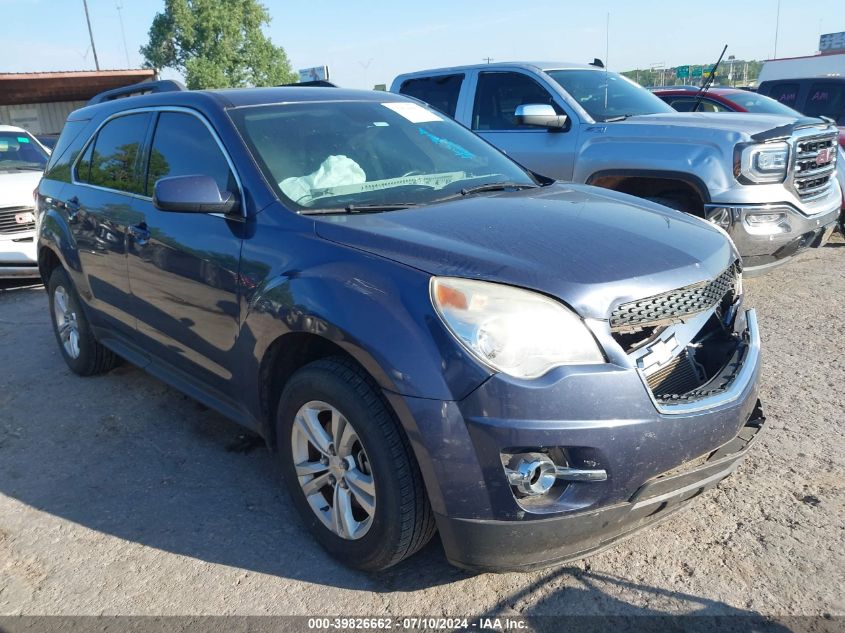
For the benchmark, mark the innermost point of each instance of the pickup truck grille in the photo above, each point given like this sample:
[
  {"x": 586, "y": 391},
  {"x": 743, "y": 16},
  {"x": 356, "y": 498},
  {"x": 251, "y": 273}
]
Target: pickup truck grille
[
  {"x": 9, "y": 224},
  {"x": 813, "y": 165},
  {"x": 675, "y": 305}
]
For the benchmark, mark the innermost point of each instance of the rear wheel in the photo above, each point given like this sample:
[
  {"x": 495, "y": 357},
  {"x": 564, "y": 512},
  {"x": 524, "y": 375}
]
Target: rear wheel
[
  {"x": 349, "y": 469},
  {"x": 81, "y": 351}
]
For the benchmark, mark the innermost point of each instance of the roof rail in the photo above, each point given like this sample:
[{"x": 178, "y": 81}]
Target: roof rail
[
  {"x": 317, "y": 83},
  {"x": 145, "y": 87}
]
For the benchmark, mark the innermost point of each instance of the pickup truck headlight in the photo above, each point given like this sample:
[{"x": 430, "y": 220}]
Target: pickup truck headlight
[
  {"x": 514, "y": 331},
  {"x": 763, "y": 162}
]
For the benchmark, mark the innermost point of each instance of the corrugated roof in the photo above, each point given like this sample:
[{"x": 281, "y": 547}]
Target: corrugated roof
[{"x": 71, "y": 85}]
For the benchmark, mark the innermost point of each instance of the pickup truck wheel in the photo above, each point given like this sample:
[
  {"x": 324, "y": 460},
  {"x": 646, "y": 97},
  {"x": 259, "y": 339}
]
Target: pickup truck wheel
[
  {"x": 677, "y": 203},
  {"x": 81, "y": 351},
  {"x": 349, "y": 469}
]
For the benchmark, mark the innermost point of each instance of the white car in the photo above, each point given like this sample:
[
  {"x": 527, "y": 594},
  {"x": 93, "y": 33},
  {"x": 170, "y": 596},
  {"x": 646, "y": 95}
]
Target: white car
[{"x": 22, "y": 161}]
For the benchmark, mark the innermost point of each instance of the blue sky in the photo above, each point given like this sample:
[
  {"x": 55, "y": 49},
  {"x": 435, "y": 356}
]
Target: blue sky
[{"x": 370, "y": 41}]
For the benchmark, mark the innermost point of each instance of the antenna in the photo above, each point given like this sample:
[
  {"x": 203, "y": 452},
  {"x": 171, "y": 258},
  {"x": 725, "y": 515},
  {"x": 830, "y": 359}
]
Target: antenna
[
  {"x": 122, "y": 32},
  {"x": 91, "y": 34},
  {"x": 606, "y": 59},
  {"x": 777, "y": 28},
  {"x": 706, "y": 85}
]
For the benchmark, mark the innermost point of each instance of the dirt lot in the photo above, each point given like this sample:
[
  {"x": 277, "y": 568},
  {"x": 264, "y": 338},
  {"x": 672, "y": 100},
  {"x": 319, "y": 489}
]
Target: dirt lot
[{"x": 119, "y": 495}]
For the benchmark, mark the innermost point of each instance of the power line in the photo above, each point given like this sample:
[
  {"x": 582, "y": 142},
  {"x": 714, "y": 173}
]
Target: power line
[
  {"x": 91, "y": 34},
  {"x": 123, "y": 33}
]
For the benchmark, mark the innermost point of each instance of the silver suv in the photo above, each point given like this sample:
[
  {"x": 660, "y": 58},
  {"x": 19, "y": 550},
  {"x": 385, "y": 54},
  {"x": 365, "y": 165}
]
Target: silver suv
[{"x": 768, "y": 180}]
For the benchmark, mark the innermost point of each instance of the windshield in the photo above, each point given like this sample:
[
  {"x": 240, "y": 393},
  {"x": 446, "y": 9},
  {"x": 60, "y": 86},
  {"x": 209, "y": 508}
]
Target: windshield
[
  {"x": 760, "y": 104},
  {"x": 354, "y": 153},
  {"x": 19, "y": 151},
  {"x": 606, "y": 95}
]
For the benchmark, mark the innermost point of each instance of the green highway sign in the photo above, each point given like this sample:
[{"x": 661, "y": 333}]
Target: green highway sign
[
  {"x": 682, "y": 71},
  {"x": 696, "y": 72}
]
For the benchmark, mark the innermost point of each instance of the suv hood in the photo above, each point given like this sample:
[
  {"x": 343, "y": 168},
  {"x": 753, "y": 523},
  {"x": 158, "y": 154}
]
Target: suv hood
[
  {"x": 589, "y": 247},
  {"x": 16, "y": 188},
  {"x": 744, "y": 125}
]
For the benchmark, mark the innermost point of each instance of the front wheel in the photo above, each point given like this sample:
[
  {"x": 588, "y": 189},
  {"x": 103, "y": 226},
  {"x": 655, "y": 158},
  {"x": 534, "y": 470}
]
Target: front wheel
[{"x": 348, "y": 467}]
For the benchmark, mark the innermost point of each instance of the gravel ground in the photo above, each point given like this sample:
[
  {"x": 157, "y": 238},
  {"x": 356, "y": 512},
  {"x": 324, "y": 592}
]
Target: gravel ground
[{"x": 119, "y": 495}]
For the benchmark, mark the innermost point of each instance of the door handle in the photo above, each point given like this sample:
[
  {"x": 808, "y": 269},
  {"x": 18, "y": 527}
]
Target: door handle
[
  {"x": 140, "y": 233},
  {"x": 72, "y": 208}
]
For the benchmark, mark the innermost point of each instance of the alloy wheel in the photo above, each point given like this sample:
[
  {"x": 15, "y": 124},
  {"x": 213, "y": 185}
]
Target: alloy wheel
[
  {"x": 333, "y": 470},
  {"x": 66, "y": 322}
]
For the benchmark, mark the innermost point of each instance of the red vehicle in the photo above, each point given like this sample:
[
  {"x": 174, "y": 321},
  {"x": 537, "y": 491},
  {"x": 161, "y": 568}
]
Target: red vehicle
[{"x": 683, "y": 99}]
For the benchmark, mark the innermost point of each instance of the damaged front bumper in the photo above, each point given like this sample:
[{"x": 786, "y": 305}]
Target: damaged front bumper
[{"x": 653, "y": 455}]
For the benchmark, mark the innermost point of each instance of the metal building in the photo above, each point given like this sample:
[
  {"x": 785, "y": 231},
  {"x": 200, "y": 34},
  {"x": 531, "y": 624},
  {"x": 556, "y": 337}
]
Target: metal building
[{"x": 40, "y": 102}]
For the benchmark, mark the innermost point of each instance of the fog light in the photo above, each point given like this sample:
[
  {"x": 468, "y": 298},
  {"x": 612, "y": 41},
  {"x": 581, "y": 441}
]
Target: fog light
[
  {"x": 759, "y": 219},
  {"x": 533, "y": 474}
]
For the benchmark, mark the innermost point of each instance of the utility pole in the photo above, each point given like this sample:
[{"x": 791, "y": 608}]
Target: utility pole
[
  {"x": 487, "y": 59},
  {"x": 91, "y": 34},
  {"x": 777, "y": 27}
]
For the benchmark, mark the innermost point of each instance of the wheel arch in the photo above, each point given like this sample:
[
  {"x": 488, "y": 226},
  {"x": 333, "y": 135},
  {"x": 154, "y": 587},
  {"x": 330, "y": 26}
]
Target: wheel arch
[
  {"x": 654, "y": 183},
  {"x": 287, "y": 354}
]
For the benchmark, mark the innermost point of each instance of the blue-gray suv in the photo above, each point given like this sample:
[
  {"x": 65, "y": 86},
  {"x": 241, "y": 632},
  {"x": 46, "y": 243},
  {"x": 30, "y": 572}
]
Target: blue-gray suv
[{"x": 428, "y": 336}]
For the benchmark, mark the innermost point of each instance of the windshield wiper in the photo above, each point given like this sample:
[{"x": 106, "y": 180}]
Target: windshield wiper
[
  {"x": 496, "y": 186},
  {"x": 360, "y": 208},
  {"x": 621, "y": 117},
  {"x": 29, "y": 168}
]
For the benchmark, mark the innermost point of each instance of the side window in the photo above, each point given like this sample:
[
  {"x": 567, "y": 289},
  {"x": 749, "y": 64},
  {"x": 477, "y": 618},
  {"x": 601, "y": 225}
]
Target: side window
[
  {"x": 439, "y": 92},
  {"x": 497, "y": 96},
  {"x": 183, "y": 146},
  {"x": 115, "y": 154},
  {"x": 82, "y": 171},
  {"x": 826, "y": 99},
  {"x": 786, "y": 93}
]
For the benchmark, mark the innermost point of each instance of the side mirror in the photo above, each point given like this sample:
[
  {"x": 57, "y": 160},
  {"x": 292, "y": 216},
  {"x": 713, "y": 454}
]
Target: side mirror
[
  {"x": 193, "y": 194},
  {"x": 540, "y": 115}
]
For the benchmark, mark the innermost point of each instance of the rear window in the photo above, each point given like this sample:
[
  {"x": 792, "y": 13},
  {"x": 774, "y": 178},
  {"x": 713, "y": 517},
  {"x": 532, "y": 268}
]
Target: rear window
[
  {"x": 786, "y": 93},
  {"x": 439, "y": 92},
  {"x": 826, "y": 99}
]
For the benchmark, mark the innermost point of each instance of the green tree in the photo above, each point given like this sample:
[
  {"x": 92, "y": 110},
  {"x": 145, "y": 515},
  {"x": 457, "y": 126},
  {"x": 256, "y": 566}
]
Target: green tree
[{"x": 216, "y": 44}]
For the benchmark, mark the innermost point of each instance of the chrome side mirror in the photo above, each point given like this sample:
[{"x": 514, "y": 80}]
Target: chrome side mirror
[{"x": 540, "y": 115}]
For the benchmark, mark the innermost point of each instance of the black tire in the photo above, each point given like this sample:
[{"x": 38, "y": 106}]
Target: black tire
[
  {"x": 403, "y": 521},
  {"x": 673, "y": 202},
  {"x": 93, "y": 358}
]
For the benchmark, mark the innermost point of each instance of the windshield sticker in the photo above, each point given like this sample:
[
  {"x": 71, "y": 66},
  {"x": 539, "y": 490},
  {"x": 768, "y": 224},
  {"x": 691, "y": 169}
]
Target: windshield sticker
[
  {"x": 413, "y": 112},
  {"x": 23, "y": 139},
  {"x": 453, "y": 147},
  {"x": 381, "y": 123}
]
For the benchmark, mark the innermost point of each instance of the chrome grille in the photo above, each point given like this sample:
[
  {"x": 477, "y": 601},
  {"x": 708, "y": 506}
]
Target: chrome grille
[
  {"x": 9, "y": 220},
  {"x": 813, "y": 165},
  {"x": 675, "y": 305}
]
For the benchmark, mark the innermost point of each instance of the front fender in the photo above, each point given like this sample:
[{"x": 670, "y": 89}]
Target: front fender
[
  {"x": 376, "y": 310},
  {"x": 707, "y": 164}
]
